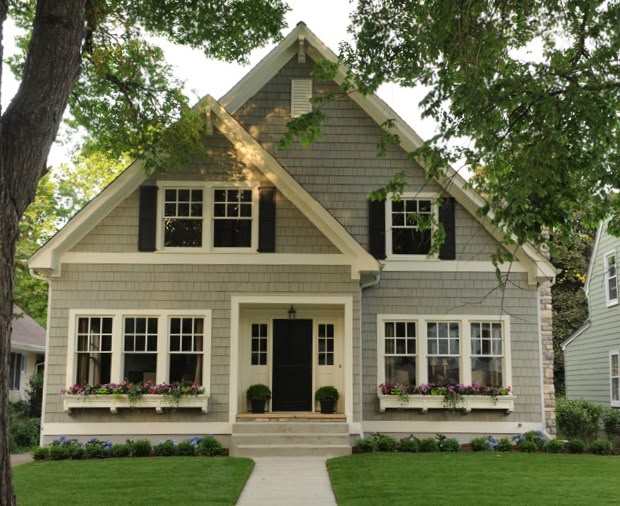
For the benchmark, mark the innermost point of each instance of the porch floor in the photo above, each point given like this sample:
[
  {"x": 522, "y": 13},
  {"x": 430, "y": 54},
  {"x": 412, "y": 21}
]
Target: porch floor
[{"x": 292, "y": 416}]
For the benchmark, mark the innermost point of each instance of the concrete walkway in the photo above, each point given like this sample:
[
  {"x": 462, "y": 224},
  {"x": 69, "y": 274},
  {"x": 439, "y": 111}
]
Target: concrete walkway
[
  {"x": 20, "y": 458},
  {"x": 289, "y": 481}
]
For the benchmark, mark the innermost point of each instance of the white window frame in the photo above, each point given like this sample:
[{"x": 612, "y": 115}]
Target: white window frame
[
  {"x": 608, "y": 278},
  {"x": 612, "y": 402},
  {"x": 266, "y": 337},
  {"x": 208, "y": 189},
  {"x": 388, "y": 223},
  {"x": 464, "y": 344},
  {"x": 163, "y": 341},
  {"x": 381, "y": 345}
]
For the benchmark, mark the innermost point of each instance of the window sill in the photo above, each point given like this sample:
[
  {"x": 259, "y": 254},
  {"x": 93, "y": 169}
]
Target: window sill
[
  {"x": 116, "y": 402},
  {"x": 426, "y": 402}
]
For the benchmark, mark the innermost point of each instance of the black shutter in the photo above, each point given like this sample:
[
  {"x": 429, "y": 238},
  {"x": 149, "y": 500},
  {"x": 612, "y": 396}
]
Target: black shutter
[
  {"x": 267, "y": 220},
  {"x": 148, "y": 218},
  {"x": 448, "y": 220},
  {"x": 376, "y": 228}
]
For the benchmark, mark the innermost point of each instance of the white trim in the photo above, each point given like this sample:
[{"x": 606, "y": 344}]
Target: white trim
[
  {"x": 201, "y": 258},
  {"x": 345, "y": 301},
  {"x": 464, "y": 343},
  {"x": 379, "y": 111},
  {"x": 593, "y": 257},
  {"x": 607, "y": 278},
  {"x": 24, "y": 347},
  {"x": 436, "y": 265},
  {"x": 459, "y": 427},
  {"x": 613, "y": 403},
  {"x": 467, "y": 404},
  {"x": 163, "y": 352},
  {"x": 141, "y": 428},
  {"x": 115, "y": 402},
  {"x": 586, "y": 325}
]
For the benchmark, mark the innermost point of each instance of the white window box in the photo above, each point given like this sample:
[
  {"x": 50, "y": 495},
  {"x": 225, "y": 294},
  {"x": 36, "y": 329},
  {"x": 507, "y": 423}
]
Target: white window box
[
  {"x": 114, "y": 402},
  {"x": 426, "y": 402}
]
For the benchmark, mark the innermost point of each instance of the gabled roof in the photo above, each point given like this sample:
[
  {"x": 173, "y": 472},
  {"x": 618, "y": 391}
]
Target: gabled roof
[
  {"x": 250, "y": 151},
  {"x": 539, "y": 266},
  {"x": 26, "y": 334},
  {"x": 586, "y": 325},
  {"x": 597, "y": 241}
]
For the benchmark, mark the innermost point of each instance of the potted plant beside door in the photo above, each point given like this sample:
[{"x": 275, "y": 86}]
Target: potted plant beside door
[
  {"x": 259, "y": 394},
  {"x": 328, "y": 397}
]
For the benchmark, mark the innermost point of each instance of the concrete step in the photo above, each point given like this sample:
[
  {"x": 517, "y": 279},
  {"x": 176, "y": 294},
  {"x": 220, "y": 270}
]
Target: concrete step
[
  {"x": 299, "y": 450},
  {"x": 284, "y": 438},
  {"x": 290, "y": 427}
]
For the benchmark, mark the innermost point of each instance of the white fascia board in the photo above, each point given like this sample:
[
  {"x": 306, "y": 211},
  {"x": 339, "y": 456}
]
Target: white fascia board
[
  {"x": 34, "y": 348},
  {"x": 539, "y": 267},
  {"x": 48, "y": 257},
  {"x": 597, "y": 241},
  {"x": 252, "y": 152},
  {"x": 576, "y": 334}
]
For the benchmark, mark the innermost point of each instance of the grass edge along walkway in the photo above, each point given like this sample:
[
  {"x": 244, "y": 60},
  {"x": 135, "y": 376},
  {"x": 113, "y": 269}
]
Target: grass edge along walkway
[
  {"x": 148, "y": 481},
  {"x": 483, "y": 478}
]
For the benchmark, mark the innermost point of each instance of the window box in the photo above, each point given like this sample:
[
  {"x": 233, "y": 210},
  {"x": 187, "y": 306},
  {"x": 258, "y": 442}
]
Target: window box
[
  {"x": 426, "y": 402},
  {"x": 114, "y": 402}
]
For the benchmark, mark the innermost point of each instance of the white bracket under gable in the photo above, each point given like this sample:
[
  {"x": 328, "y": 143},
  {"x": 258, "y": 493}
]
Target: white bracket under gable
[{"x": 301, "y": 53}]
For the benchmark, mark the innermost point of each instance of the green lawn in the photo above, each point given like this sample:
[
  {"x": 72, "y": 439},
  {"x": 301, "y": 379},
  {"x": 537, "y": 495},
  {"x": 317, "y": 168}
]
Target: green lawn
[
  {"x": 475, "y": 478},
  {"x": 148, "y": 481}
]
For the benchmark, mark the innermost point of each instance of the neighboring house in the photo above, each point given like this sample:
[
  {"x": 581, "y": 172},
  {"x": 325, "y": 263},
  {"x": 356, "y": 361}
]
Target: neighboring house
[
  {"x": 27, "y": 353},
  {"x": 592, "y": 353},
  {"x": 261, "y": 264}
]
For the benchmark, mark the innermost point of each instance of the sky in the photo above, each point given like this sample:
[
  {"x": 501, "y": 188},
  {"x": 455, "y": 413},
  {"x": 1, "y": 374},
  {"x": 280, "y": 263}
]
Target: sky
[{"x": 328, "y": 19}]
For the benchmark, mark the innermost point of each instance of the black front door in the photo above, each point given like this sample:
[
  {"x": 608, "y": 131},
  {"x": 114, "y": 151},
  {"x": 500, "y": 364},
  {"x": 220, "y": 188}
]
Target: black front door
[{"x": 292, "y": 365}]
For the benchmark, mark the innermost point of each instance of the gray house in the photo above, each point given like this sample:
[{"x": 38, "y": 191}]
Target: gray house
[
  {"x": 592, "y": 353},
  {"x": 265, "y": 265},
  {"x": 27, "y": 353}
]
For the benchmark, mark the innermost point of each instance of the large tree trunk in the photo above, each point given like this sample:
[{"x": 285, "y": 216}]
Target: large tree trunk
[{"x": 27, "y": 130}]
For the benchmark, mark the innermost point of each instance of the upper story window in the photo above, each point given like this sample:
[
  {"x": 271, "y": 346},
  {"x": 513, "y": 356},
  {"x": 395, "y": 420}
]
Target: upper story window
[
  {"x": 183, "y": 218},
  {"x": 232, "y": 218},
  {"x": 208, "y": 216},
  {"x": 611, "y": 279},
  {"x": 409, "y": 226}
]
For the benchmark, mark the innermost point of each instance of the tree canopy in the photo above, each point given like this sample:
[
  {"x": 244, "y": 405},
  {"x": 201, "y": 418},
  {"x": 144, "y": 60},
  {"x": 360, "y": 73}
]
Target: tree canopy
[{"x": 527, "y": 89}]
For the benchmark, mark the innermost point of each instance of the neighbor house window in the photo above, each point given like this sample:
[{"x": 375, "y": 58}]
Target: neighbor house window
[
  {"x": 326, "y": 344},
  {"x": 16, "y": 365},
  {"x": 400, "y": 352},
  {"x": 410, "y": 226},
  {"x": 486, "y": 353},
  {"x": 615, "y": 378},
  {"x": 443, "y": 339},
  {"x": 611, "y": 279},
  {"x": 140, "y": 349},
  {"x": 94, "y": 350},
  {"x": 186, "y": 349},
  {"x": 232, "y": 218},
  {"x": 259, "y": 344},
  {"x": 183, "y": 218}
]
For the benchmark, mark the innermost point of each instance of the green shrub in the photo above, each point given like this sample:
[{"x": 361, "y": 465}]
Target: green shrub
[
  {"x": 185, "y": 449},
  {"x": 164, "y": 449},
  {"x": 409, "y": 444},
  {"x": 575, "y": 446},
  {"x": 140, "y": 447},
  {"x": 504, "y": 445},
  {"x": 601, "y": 447},
  {"x": 259, "y": 392},
  {"x": 578, "y": 419},
  {"x": 23, "y": 431},
  {"x": 76, "y": 451},
  {"x": 446, "y": 444},
  {"x": 528, "y": 446},
  {"x": 554, "y": 446},
  {"x": 40, "y": 453},
  {"x": 328, "y": 393},
  {"x": 94, "y": 450},
  {"x": 611, "y": 423},
  {"x": 120, "y": 450},
  {"x": 384, "y": 443},
  {"x": 209, "y": 447},
  {"x": 57, "y": 452},
  {"x": 428, "y": 445},
  {"x": 366, "y": 445},
  {"x": 533, "y": 436},
  {"x": 480, "y": 444}
]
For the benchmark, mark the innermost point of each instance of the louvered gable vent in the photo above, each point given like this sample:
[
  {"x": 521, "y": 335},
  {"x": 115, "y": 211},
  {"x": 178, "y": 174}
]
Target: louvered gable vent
[{"x": 301, "y": 92}]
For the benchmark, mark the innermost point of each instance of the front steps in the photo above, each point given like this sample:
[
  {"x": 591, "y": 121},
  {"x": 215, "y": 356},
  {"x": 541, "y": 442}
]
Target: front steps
[{"x": 290, "y": 439}]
